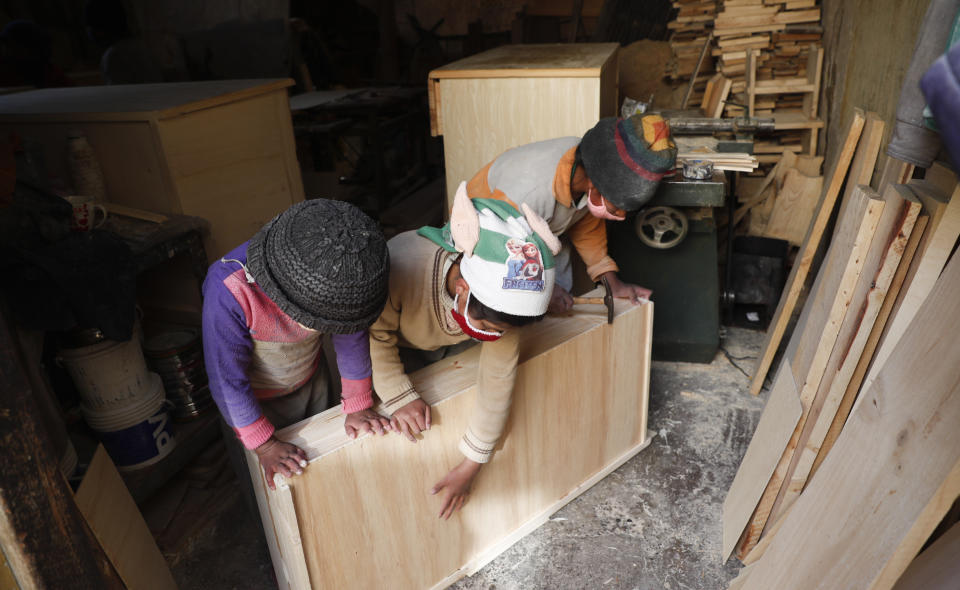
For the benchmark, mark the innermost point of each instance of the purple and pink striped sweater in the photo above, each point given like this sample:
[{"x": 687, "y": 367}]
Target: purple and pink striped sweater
[{"x": 254, "y": 351}]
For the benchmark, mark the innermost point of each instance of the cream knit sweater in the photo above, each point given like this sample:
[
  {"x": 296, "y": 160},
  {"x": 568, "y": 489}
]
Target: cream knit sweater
[{"x": 417, "y": 315}]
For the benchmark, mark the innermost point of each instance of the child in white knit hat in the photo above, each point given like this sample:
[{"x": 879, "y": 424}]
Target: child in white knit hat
[{"x": 447, "y": 285}]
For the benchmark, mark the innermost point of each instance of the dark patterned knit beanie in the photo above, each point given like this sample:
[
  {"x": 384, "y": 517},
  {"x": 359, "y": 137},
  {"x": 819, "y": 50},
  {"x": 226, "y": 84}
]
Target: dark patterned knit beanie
[
  {"x": 626, "y": 158},
  {"x": 324, "y": 263}
]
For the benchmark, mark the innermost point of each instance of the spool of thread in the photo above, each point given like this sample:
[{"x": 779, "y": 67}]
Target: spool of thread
[{"x": 85, "y": 171}]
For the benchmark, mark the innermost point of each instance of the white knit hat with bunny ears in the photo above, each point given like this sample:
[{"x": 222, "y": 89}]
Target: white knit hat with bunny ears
[{"x": 507, "y": 256}]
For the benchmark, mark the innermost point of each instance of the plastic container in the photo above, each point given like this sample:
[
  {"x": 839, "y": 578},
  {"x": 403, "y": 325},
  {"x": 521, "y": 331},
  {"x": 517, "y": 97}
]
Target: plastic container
[
  {"x": 135, "y": 434},
  {"x": 108, "y": 374}
]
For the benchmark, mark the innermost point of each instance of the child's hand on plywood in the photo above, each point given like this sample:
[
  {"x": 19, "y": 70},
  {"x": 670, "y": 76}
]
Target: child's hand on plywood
[
  {"x": 280, "y": 457},
  {"x": 364, "y": 421},
  {"x": 456, "y": 487},
  {"x": 412, "y": 419}
]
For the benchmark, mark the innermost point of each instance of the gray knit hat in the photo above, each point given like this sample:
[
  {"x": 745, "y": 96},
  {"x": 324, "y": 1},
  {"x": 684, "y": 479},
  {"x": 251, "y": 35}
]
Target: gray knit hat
[{"x": 324, "y": 263}]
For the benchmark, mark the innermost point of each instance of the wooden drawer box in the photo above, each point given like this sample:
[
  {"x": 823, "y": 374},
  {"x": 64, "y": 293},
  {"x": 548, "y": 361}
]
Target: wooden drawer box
[
  {"x": 487, "y": 103},
  {"x": 221, "y": 150},
  {"x": 361, "y": 515}
]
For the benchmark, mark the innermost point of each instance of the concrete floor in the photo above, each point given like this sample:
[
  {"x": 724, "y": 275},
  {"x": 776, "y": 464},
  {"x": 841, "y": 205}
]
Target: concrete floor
[{"x": 653, "y": 523}]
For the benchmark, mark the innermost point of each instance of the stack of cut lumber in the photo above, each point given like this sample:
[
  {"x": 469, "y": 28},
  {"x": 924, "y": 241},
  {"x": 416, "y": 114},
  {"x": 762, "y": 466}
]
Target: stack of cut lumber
[
  {"x": 781, "y": 34},
  {"x": 867, "y": 394},
  {"x": 689, "y": 31},
  {"x": 763, "y": 26},
  {"x": 725, "y": 161}
]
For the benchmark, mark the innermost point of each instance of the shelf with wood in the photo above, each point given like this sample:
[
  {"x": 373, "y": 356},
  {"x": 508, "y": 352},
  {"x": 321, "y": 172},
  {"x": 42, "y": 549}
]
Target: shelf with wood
[{"x": 807, "y": 86}]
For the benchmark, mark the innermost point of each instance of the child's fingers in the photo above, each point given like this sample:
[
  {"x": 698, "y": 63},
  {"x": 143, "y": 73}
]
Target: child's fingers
[
  {"x": 293, "y": 466},
  {"x": 407, "y": 431},
  {"x": 386, "y": 423},
  {"x": 447, "y": 508},
  {"x": 375, "y": 425},
  {"x": 268, "y": 473},
  {"x": 351, "y": 431}
]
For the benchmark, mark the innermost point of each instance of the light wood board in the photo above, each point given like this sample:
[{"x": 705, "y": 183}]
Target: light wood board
[
  {"x": 806, "y": 358},
  {"x": 116, "y": 521},
  {"x": 801, "y": 266},
  {"x": 880, "y": 264},
  {"x": 942, "y": 240},
  {"x": 860, "y": 372},
  {"x": 535, "y": 60},
  {"x": 894, "y": 466},
  {"x": 579, "y": 410},
  {"x": 794, "y": 207},
  {"x": 484, "y": 117}
]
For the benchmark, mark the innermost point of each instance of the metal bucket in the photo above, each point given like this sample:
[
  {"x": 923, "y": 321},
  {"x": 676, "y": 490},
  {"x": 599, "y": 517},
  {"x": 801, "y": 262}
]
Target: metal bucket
[{"x": 177, "y": 356}]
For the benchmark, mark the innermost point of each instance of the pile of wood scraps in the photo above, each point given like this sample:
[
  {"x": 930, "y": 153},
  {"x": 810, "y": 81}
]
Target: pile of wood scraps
[
  {"x": 770, "y": 53},
  {"x": 781, "y": 205},
  {"x": 690, "y": 34},
  {"x": 725, "y": 161},
  {"x": 848, "y": 401}
]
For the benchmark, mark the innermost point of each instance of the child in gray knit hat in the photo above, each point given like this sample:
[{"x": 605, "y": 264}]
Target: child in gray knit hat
[{"x": 319, "y": 267}]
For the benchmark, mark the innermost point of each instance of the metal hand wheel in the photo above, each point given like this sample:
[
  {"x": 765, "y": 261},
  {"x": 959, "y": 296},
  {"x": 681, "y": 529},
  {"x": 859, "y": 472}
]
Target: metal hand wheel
[{"x": 661, "y": 227}]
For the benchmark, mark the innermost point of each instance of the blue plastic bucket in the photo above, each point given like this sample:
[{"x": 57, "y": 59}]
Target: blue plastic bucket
[{"x": 136, "y": 434}]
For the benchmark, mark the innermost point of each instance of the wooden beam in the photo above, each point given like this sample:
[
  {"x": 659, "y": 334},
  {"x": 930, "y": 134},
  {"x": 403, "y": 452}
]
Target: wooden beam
[
  {"x": 801, "y": 266},
  {"x": 43, "y": 535},
  {"x": 591, "y": 378}
]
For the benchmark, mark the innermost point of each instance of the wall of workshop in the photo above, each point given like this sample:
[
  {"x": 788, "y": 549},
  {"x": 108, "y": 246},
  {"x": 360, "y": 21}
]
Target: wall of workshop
[{"x": 868, "y": 46}]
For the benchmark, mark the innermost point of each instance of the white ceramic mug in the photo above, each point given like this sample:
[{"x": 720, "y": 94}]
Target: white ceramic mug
[{"x": 85, "y": 212}]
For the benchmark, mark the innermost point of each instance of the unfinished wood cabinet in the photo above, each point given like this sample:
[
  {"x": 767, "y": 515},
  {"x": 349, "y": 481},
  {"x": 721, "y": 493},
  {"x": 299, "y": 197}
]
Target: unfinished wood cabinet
[
  {"x": 488, "y": 103},
  {"x": 361, "y": 515},
  {"x": 221, "y": 150}
]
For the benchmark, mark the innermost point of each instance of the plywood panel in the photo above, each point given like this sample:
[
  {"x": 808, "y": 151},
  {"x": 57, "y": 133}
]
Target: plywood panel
[
  {"x": 894, "y": 465},
  {"x": 484, "y": 117},
  {"x": 230, "y": 166},
  {"x": 535, "y": 60},
  {"x": 579, "y": 410},
  {"x": 117, "y": 523}
]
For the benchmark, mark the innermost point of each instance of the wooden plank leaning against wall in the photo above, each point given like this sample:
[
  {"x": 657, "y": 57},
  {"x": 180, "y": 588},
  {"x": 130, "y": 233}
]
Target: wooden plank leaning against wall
[
  {"x": 38, "y": 517},
  {"x": 881, "y": 491}
]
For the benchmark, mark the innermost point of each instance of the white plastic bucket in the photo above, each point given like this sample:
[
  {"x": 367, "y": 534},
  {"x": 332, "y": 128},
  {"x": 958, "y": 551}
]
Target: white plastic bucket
[
  {"x": 135, "y": 434},
  {"x": 108, "y": 374}
]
